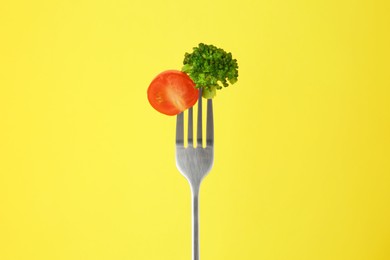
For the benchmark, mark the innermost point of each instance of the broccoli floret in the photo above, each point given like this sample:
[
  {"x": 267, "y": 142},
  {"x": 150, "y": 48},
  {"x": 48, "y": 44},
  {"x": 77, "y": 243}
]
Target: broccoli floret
[{"x": 211, "y": 68}]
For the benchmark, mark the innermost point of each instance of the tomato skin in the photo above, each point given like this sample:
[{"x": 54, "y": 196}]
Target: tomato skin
[{"x": 172, "y": 92}]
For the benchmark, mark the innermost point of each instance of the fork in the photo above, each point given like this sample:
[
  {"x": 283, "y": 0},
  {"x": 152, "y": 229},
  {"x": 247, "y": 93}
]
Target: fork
[{"x": 195, "y": 162}]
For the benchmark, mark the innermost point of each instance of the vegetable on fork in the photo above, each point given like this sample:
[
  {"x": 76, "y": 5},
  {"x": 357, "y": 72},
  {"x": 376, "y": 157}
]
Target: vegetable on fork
[
  {"x": 172, "y": 92},
  {"x": 211, "y": 68},
  {"x": 206, "y": 69}
]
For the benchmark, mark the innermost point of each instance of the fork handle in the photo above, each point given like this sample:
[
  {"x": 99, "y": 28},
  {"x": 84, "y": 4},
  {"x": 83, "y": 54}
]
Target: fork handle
[{"x": 195, "y": 222}]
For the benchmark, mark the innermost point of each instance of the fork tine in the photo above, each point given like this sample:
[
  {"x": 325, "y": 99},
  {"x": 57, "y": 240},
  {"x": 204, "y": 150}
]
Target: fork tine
[
  {"x": 199, "y": 123},
  {"x": 180, "y": 129},
  {"x": 190, "y": 127},
  {"x": 210, "y": 124}
]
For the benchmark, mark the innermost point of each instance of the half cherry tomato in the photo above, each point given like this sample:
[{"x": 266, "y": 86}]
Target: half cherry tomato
[{"x": 172, "y": 92}]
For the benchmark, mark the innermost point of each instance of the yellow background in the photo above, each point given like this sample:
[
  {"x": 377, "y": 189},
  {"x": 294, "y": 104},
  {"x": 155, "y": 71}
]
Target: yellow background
[{"x": 87, "y": 166}]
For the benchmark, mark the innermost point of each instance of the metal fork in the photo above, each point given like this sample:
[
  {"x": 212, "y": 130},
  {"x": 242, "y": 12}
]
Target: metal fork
[{"x": 195, "y": 162}]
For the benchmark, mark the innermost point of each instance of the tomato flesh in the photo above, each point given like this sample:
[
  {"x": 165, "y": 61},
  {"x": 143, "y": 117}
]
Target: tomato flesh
[{"x": 172, "y": 92}]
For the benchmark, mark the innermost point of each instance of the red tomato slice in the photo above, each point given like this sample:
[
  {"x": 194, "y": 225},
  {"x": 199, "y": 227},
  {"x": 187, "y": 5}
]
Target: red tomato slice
[{"x": 172, "y": 92}]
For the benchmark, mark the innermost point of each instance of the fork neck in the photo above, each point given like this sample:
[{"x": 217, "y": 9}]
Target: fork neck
[
  {"x": 195, "y": 191},
  {"x": 195, "y": 187}
]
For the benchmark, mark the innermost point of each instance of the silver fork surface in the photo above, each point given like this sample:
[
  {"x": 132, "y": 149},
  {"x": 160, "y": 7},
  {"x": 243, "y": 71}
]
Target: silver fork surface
[{"x": 195, "y": 162}]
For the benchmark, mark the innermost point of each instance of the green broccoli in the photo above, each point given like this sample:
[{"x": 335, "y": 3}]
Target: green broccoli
[{"x": 211, "y": 68}]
